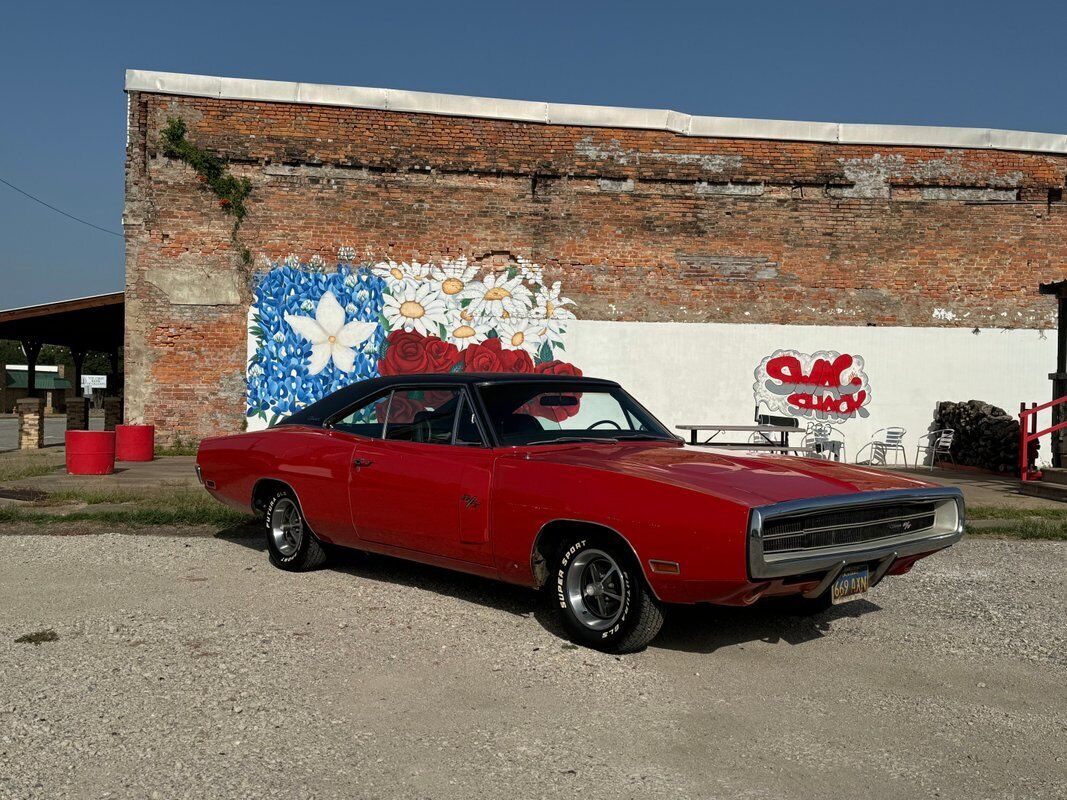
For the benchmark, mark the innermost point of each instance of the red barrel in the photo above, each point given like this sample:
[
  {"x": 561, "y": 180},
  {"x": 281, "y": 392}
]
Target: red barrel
[
  {"x": 135, "y": 442},
  {"x": 90, "y": 452}
]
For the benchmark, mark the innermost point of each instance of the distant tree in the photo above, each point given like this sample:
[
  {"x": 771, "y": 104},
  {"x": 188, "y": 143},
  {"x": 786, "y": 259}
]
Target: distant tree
[{"x": 52, "y": 355}]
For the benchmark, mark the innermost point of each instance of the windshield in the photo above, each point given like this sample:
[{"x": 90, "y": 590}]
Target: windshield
[{"x": 551, "y": 413}]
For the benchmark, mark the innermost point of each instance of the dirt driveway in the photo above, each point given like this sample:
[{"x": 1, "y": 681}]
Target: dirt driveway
[{"x": 188, "y": 667}]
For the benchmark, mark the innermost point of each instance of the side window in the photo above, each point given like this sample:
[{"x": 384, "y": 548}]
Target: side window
[
  {"x": 365, "y": 419},
  {"x": 422, "y": 415},
  {"x": 467, "y": 433}
]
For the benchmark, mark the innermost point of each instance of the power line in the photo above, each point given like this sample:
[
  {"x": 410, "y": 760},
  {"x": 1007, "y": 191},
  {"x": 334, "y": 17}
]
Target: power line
[{"x": 58, "y": 210}]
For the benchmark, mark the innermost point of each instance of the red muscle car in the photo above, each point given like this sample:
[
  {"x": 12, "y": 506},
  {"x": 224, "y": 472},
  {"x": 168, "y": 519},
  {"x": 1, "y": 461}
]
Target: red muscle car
[{"x": 569, "y": 484}]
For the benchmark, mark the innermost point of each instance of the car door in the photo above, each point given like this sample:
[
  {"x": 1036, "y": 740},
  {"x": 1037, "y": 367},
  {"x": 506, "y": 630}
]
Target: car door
[{"x": 424, "y": 486}]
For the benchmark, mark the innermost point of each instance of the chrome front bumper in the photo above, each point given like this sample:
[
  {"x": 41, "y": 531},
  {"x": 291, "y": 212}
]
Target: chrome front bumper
[{"x": 946, "y": 530}]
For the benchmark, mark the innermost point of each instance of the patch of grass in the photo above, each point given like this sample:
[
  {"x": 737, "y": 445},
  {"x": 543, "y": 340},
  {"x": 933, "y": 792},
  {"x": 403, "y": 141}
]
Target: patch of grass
[
  {"x": 1054, "y": 530},
  {"x": 177, "y": 496},
  {"x": 38, "y": 637},
  {"x": 17, "y": 472},
  {"x": 1018, "y": 523},
  {"x": 179, "y": 447},
  {"x": 1002, "y": 512},
  {"x": 145, "y": 507},
  {"x": 176, "y": 450},
  {"x": 145, "y": 517}
]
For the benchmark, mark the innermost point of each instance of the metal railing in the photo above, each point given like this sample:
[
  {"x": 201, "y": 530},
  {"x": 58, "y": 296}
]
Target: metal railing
[{"x": 1028, "y": 433}]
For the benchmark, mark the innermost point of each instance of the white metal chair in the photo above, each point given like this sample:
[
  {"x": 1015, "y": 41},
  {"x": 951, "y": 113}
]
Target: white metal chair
[
  {"x": 825, "y": 440},
  {"x": 886, "y": 440},
  {"x": 938, "y": 443}
]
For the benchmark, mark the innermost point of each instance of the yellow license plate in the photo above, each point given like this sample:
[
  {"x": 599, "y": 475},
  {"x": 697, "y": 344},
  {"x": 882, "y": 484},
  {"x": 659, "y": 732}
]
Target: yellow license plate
[{"x": 850, "y": 585}]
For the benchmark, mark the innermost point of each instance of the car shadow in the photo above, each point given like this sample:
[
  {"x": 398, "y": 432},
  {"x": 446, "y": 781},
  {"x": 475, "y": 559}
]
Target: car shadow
[
  {"x": 383, "y": 569},
  {"x": 707, "y": 628},
  {"x": 692, "y": 629}
]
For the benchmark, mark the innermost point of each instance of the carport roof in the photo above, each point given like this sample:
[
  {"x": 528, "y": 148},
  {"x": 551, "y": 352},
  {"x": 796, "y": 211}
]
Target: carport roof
[
  {"x": 19, "y": 379},
  {"x": 86, "y": 323}
]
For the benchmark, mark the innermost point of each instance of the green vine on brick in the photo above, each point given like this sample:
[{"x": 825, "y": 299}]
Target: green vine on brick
[{"x": 231, "y": 190}]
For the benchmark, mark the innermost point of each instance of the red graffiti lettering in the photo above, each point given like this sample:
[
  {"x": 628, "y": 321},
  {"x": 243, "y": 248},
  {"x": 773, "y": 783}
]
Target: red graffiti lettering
[
  {"x": 846, "y": 404},
  {"x": 789, "y": 370}
]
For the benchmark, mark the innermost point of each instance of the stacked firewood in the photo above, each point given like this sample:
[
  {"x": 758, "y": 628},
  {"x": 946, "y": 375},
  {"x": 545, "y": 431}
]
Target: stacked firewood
[{"x": 986, "y": 436}]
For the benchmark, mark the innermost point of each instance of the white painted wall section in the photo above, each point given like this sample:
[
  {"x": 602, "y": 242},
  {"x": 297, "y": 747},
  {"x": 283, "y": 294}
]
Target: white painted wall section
[{"x": 697, "y": 373}]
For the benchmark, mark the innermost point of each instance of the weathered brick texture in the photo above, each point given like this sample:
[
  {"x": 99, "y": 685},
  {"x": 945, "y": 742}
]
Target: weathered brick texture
[{"x": 639, "y": 225}]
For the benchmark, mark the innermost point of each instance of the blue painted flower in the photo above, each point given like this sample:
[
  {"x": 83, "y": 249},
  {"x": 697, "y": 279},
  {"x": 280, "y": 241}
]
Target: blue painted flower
[{"x": 281, "y": 379}]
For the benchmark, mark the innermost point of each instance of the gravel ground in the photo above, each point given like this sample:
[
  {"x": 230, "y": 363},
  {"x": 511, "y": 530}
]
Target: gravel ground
[{"x": 189, "y": 667}]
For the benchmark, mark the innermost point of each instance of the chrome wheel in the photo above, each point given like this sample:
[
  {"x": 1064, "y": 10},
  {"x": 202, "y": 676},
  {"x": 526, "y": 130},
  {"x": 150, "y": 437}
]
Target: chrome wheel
[
  {"x": 595, "y": 589},
  {"x": 286, "y": 526}
]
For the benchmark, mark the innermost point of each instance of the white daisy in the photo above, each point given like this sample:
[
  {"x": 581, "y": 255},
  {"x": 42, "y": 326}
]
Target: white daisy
[
  {"x": 498, "y": 296},
  {"x": 465, "y": 330},
  {"x": 531, "y": 273},
  {"x": 330, "y": 337},
  {"x": 549, "y": 309},
  {"x": 518, "y": 333},
  {"x": 403, "y": 274},
  {"x": 452, "y": 277},
  {"x": 415, "y": 308}
]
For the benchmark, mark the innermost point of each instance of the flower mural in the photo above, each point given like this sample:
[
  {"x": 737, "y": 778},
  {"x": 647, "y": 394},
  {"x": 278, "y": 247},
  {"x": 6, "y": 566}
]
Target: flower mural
[
  {"x": 330, "y": 336},
  {"x": 314, "y": 328}
]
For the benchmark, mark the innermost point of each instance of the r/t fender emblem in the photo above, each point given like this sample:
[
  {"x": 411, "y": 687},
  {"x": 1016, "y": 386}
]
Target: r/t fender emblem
[{"x": 470, "y": 501}]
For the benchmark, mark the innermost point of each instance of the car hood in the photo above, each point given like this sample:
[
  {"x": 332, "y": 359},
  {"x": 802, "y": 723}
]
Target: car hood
[{"x": 752, "y": 480}]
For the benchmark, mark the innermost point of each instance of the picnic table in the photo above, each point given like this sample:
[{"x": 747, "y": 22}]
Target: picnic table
[{"x": 781, "y": 432}]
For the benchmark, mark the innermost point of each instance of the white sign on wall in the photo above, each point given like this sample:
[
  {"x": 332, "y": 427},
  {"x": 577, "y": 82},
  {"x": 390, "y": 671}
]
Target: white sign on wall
[{"x": 92, "y": 382}]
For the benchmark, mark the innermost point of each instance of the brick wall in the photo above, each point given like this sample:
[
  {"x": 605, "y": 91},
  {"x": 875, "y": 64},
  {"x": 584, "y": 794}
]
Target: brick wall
[{"x": 639, "y": 225}]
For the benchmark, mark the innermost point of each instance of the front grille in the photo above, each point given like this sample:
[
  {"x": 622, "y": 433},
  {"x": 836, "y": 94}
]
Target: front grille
[{"x": 844, "y": 526}]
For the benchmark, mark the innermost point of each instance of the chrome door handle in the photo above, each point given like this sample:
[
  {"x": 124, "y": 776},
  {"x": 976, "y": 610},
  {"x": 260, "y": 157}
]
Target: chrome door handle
[{"x": 361, "y": 462}]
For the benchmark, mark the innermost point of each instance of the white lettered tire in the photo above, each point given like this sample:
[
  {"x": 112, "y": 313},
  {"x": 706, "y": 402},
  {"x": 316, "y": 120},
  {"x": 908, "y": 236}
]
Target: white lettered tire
[
  {"x": 602, "y": 597},
  {"x": 290, "y": 541}
]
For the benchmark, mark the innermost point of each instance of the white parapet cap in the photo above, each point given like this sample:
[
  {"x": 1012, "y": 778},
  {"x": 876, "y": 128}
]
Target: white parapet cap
[{"x": 454, "y": 105}]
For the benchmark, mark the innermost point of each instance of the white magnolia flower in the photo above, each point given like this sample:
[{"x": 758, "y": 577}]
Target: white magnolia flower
[
  {"x": 403, "y": 274},
  {"x": 531, "y": 273},
  {"x": 465, "y": 330},
  {"x": 498, "y": 296},
  {"x": 519, "y": 333},
  {"x": 549, "y": 309},
  {"x": 330, "y": 337},
  {"x": 415, "y": 308},
  {"x": 452, "y": 277}
]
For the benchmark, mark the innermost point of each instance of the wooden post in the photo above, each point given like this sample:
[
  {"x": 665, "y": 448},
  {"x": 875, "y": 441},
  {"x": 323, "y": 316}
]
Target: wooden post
[
  {"x": 31, "y": 348},
  {"x": 113, "y": 380},
  {"x": 78, "y": 357}
]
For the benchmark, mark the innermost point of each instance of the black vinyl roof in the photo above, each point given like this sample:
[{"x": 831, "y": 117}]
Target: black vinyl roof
[{"x": 317, "y": 413}]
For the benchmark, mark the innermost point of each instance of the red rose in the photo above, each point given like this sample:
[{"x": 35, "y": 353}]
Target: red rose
[
  {"x": 484, "y": 357},
  {"x": 489, "y": 356},
  {"x": 516, "y": 361},
  {"x": 556, "y": 413},
  {"x": 441, "y": 355},
  {"x": 557, "y": 368},
  {"x": 402, "y": 408},
  {"x": 435, "y": 398},
  {"x": 408, "y": 352}
]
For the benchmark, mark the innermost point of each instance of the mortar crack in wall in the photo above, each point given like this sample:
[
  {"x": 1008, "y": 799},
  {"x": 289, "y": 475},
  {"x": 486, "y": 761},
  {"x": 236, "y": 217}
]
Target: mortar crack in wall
[{"x": 616, "y": 153}]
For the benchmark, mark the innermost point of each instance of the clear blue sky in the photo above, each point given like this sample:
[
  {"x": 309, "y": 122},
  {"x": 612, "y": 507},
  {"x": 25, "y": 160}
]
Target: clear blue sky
[{"x": 62, "y": 116}]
